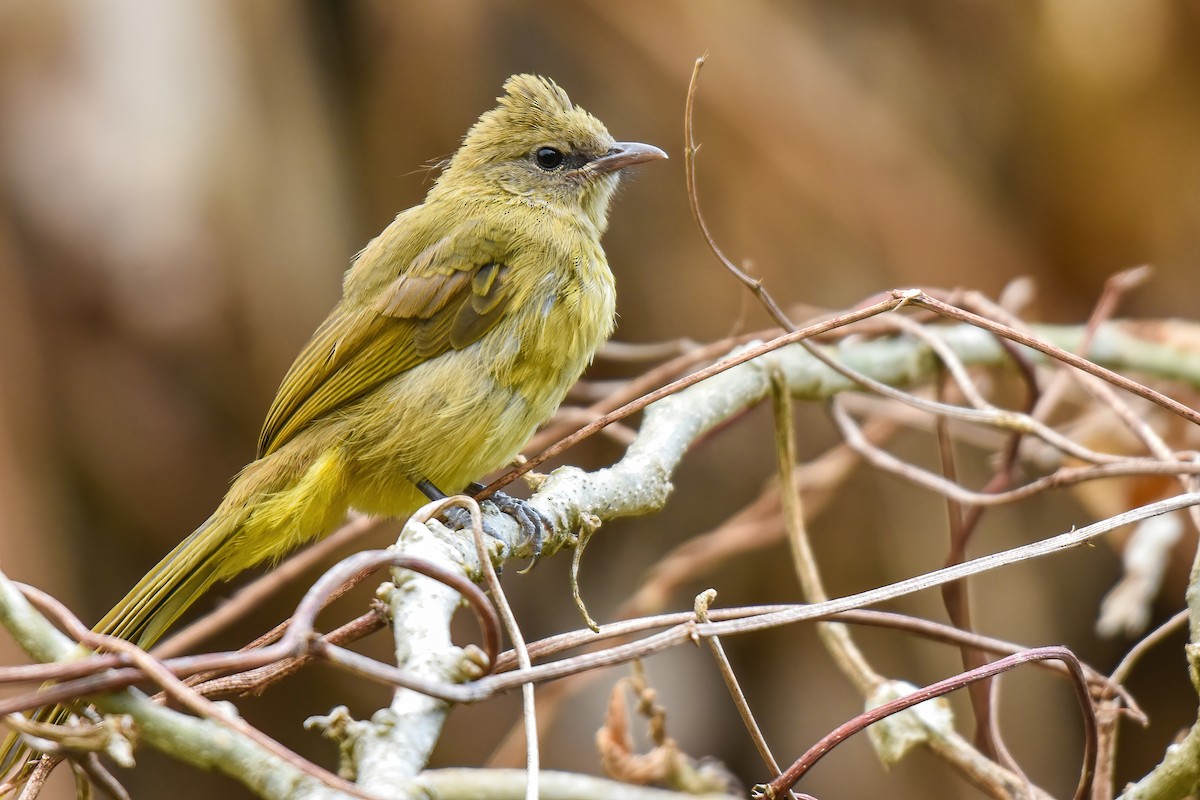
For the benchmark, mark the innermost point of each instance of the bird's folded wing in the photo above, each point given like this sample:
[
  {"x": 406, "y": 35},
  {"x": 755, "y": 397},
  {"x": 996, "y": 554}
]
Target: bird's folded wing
[{"x": 447, "y": 298}]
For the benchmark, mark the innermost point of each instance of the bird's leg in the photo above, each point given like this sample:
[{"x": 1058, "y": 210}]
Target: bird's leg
[
  {"x": 458, "y": 517},
  {"x": 534, "y": 524}
]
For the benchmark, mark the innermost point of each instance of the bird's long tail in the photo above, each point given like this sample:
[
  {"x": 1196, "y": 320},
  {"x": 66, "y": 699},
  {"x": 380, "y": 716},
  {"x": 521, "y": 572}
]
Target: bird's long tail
[
  {"x": 152, "y": 606},
  {"x": 171, "y": 587},
  {"x": 269, "y": 510}
]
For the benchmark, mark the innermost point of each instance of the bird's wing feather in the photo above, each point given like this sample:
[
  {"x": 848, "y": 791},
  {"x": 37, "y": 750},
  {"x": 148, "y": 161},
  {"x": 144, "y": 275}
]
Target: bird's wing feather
[{"x": 447, "y": 298}]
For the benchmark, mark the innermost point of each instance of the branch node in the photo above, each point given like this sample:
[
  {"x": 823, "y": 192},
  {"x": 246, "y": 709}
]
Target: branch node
[
  {"x": 894, "y": 736},
  {"x": 341, "y": 727}
]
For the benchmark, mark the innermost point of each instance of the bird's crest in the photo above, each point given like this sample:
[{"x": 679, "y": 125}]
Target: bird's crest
[
  {"x": 533, "y": 110},
  {"x": 525, "y": 92}
]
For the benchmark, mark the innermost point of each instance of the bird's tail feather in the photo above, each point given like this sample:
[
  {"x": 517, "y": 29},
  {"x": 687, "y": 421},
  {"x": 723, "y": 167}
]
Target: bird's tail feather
[
  {"x": 171, "y": 587},
  {"x": 150, "y": 608}
]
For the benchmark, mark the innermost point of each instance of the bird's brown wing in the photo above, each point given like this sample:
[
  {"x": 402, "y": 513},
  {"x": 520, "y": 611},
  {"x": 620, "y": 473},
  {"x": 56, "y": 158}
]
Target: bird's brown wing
[{"x": 447, "y": 298}]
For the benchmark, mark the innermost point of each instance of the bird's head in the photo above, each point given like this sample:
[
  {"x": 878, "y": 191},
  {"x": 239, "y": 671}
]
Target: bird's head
[{"x": 538, "y": 146}]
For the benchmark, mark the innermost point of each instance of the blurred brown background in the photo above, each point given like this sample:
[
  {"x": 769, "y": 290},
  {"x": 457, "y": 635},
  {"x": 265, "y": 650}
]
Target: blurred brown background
[{"x": 182, "y": 185}]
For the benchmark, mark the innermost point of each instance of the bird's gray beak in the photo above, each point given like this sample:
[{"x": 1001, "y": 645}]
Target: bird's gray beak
[{"x": 625, "y": 154}]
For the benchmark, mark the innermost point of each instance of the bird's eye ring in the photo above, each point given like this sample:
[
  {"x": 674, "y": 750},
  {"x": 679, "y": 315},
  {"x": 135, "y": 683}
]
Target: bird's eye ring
[{"x": 548, "y": 158}]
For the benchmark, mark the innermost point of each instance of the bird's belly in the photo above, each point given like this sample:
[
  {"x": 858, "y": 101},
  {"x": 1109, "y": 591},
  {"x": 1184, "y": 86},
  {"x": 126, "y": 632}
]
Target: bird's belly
[{"x": 462, "y": 414}]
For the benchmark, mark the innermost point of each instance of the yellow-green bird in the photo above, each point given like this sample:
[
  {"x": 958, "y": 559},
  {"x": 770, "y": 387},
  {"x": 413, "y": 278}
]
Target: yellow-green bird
[{"x": 460, "y": 329}]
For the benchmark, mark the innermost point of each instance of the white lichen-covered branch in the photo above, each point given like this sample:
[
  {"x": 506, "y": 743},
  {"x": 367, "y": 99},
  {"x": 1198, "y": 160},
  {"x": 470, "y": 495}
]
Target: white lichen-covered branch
[
  {"x": 386, "y": 755},
  {"x": 641, "y": 481}
]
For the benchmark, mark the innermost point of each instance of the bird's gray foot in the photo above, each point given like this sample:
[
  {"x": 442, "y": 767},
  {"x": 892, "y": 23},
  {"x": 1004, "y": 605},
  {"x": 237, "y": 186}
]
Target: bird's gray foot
[{"x": 534, "y": 524}]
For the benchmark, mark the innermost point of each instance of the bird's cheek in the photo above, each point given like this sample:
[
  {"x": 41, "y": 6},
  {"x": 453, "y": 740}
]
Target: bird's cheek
[{"x": 515, "y": 186}]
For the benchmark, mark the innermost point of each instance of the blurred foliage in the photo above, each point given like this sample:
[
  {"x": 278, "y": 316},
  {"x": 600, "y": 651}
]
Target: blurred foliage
[{"x": 182, "y": 184}]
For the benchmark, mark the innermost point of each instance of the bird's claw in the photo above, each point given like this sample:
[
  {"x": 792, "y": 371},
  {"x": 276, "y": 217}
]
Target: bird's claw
[{"x": 534, "y": 524}]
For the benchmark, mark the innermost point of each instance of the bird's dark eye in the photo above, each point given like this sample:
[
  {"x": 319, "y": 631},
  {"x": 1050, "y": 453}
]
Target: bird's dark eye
[{"x": 548, "y": 158}]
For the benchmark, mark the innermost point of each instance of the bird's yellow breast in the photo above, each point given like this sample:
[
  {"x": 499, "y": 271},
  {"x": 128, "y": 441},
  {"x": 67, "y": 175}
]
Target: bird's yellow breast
[{"x": 457, "y": 417}]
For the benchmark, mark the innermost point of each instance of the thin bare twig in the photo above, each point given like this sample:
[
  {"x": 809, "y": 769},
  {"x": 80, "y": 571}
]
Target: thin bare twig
[
  {"x": 934, "y": 631},
  {"x": 749, "y": 354},
  {"x": 798, "y": 769},
  {"x": 1055, "y": 544},
  {"x": 735, "y": 688},
  {"x": 924, "y": 300},
  {"x": 768, "y": 619},
  {"x": 647, "y": 381},
  {"x": 689, "y": 169},
  {"x": 1151, "y": 640},
  {"x": 256, "y": 681},
  {"x": 996, "y": 417},
  {"x": 37, "y": 779},
  {"x": 183, "y": 694},
  {"x": 835, "y": 636},
  {"x": 253, "y": 594},
  {"x": 489, "y": 685},
  {"x": 1066, "y": 476},
  {"x": 296, "y": 639},
  {"x": 755, "y": 526},
  {"x": 99, "y": 775},
  {"x": 529, "y": 709}
]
